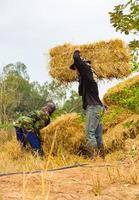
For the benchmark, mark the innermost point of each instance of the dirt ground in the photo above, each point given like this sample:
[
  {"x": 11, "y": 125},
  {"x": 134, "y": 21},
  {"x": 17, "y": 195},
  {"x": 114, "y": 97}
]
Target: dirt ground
[{"x": 97, "y": 181}]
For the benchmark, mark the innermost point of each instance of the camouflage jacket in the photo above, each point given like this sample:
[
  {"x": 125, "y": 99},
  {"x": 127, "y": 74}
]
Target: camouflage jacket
[{"x": 34, "y": 121}]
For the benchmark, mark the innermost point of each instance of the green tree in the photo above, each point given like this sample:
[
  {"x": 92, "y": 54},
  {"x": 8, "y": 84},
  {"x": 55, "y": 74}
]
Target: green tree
[
  {"x": 16, "y": 69},
  {"x": 125, "y": 18},
  {"x": 54, "y": 91},
  {"x": 73, "y": 104},
  {"x": 17, "y": 94},
  {"x": 13, "y": 78}
]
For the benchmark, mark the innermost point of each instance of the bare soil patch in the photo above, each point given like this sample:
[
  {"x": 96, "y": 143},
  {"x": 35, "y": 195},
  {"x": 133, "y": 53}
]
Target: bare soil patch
[{"x": 97, "y": 181}]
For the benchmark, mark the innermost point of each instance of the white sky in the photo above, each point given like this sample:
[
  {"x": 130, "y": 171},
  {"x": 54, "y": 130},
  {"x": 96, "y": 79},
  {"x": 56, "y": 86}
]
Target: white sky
[{"x": 29, "y": 28}]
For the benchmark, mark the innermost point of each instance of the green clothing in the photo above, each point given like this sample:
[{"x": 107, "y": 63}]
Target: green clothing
[{"x": 34, "y": 121}]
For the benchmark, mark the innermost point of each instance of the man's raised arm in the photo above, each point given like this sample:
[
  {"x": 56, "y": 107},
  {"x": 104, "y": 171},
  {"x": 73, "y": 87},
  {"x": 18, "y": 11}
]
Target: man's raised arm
[{"x": 78, "y": 62}]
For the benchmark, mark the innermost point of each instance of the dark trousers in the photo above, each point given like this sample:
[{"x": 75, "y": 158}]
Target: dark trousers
[{"x": 28, "y": 137}]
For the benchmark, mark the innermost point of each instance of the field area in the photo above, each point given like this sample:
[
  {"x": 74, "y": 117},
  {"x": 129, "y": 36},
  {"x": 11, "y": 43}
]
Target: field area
[
  {"x": 97, "y": 180},
  {"x": 116, "y": 177}
]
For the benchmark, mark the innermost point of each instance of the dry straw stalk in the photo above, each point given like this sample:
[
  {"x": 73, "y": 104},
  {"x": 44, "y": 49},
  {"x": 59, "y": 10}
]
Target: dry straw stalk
[{"x": 109, "y": 59}]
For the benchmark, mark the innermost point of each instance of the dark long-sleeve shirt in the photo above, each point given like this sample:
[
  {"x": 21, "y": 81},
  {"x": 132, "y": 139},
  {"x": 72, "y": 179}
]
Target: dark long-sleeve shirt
[{"x": 88, "y": 88}]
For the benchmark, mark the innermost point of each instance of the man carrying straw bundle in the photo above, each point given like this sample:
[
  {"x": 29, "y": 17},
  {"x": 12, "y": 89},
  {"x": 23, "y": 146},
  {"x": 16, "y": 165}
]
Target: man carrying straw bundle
[
  {"x": 28, "y": 127},
  {"x": 88, "y": 89}
]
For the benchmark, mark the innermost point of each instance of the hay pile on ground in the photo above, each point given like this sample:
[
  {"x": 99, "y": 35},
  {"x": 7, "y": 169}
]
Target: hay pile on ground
[
  {"x": 121, "y": 120},
  {"x": 132, "y": 144},
  {"x": 115, "y": 115},
  {"x": 115, "y": 137},
  {"x": 109, "y": 59},
  {"x": 69, "y": 130},
  {"x": 123, "y": 90}
]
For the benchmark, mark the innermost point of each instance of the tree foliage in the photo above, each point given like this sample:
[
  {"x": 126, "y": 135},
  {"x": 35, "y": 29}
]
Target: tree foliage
[
  {"x": 17, "y": 94},
  {"x": 125, "y": 18},
  {"x": 54, "y": 91},
  {"x": 73, "y": 104}
]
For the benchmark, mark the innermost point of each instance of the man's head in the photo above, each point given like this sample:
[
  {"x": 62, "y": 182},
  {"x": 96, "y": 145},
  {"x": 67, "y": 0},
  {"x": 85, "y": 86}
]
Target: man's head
[
  {"x": 49, "y": 108},
  {"x": 73, "y": 66}
]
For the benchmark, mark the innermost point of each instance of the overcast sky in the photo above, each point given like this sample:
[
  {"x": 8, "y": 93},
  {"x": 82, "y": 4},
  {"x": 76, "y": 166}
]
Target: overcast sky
[{"x": 29, "y": 28}]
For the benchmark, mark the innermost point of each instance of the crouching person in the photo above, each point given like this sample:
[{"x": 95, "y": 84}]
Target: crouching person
[{"x": 28, "y": 127}]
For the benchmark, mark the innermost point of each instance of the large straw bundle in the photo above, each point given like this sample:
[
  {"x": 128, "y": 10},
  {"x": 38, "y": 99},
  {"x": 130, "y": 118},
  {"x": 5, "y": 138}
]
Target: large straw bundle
[
  {"x": 115, "y": 93},
  {"x": 109, "y": 60},
  {"x": 115, "y": 137},
  {"x": 69, "y": 132}
]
